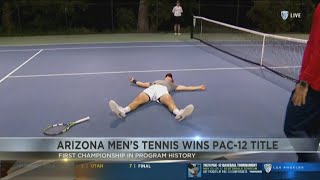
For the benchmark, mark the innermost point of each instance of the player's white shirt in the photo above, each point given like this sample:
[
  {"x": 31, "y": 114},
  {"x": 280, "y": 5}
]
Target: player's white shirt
[{"x": 177, "y": 11}]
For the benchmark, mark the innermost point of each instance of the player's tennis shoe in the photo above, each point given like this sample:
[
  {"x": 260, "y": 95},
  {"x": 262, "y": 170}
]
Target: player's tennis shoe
[
  {"x": 187, "y": 111},
  {"x": 117, "y": 109}
]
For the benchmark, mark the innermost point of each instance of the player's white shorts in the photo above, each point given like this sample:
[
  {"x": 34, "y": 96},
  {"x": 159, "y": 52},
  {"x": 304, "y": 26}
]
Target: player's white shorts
[{"x": 156, "y": 91}]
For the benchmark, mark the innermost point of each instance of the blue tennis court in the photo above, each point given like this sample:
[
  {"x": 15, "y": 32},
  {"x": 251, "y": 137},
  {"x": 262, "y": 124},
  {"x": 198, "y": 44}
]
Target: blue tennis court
[{"x": 48, "y": 84}]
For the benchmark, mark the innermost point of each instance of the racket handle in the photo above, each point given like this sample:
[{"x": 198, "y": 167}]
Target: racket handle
[{"x": 82, "y": 120}]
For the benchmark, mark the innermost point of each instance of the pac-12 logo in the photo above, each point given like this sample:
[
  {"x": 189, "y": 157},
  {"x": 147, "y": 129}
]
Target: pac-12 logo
[
  {"x": 284, "y": 15},
  {"x": 292, "y": 15},
  {"x": 267, "y": 167}
]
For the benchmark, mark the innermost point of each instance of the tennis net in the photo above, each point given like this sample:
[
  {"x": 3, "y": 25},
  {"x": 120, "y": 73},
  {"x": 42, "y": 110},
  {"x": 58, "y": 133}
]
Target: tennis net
[{"x": 279, "y": 54}]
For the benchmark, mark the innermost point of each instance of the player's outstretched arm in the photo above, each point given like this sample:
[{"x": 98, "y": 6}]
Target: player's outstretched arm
[
  {"x": 191, "y": 88},
  {"x": 139, "y": 83}
]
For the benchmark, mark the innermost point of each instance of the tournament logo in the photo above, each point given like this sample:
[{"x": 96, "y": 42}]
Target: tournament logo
[
  {"x": 267, "y": 167},
  {"x": 194, "y": 170},
  {"x": 284, "y": 15}
]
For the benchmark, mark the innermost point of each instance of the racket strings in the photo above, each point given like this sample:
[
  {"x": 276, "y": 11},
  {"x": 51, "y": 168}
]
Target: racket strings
[{"x": 56, "y": 129}]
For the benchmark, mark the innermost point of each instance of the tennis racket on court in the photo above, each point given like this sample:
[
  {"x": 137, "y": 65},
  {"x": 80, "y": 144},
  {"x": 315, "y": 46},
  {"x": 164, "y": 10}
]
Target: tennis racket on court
[{"x": 57, "y": 129}]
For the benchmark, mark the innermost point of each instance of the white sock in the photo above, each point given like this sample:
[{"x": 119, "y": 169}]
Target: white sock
[
  {"x": 175, "y": 112},
  {"x": 127, "y": 109}
]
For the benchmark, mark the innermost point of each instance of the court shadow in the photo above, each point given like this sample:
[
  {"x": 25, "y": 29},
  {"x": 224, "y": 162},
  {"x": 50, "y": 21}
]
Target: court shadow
[
  {"x": 143, "y": 107},
  {"x": 188, "y": 123},
  {"x": 118, "y": 121},
  {"x": 115, "y": 123}
]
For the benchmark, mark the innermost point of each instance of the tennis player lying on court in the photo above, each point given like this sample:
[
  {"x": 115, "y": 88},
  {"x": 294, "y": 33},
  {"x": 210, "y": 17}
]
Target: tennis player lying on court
[{"x": 158, "y": 91}]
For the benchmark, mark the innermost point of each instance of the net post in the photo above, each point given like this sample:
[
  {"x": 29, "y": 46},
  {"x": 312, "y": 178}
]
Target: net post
[
  {"x": 200, "y": 27},
  {"x": 192, "y": 26},
  {"x": 262, "y": 49}
]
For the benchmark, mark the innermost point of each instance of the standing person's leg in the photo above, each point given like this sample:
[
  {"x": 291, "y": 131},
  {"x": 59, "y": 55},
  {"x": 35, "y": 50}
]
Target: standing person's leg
[
  {"x": 175, "y": 25},
  {"x": 141, "y": 99},
  {"x": 179, "y": 24},
  {"x": 175, "y": 29},
  {"x": 304, "y": 122},
  {"x": 168, "y": 101}
]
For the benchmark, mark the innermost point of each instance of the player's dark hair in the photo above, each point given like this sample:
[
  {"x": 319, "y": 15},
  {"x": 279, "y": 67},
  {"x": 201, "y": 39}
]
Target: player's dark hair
[{"x": 190, "y": 166}]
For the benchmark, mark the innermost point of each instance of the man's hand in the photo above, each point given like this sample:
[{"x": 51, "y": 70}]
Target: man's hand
[
  {"x": 131, "y": 79},
  {"x": 139, "y": 83},
  {"x": 299, "y": 95},
  {"x": 202, "y": 87}
]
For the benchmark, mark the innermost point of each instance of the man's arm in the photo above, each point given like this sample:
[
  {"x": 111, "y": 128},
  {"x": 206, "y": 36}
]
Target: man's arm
[
  {"x": 139, "y": 83},
  {"x": 310, "y": 64},
  {"x": 191, "y": 88},
  {"x": 311, "y": 71},
  {"x": 309, "y": 75}
]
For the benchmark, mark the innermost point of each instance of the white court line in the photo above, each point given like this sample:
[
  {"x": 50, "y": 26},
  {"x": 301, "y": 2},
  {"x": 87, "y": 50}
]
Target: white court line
[
  {"x": 93, "y": 43},
  {"x": 106, "y": 47},
  {"x": 284, "y": 67},
  {"x": 145, "y": 71},
  {"x": 126, "y": 72},
  {"x": 18, "y": 50},
  {"x": 131, "y": 47},
  {"x": 8, "y": 75}
]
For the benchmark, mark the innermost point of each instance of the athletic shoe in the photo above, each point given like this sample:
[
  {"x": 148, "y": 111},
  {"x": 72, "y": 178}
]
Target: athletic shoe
[
  {"x": 179, "y": 34},
  {"x": 117, "y": 109},
  {"x": 175, "y": 34},
  {"x": 187, "y": 111}
]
